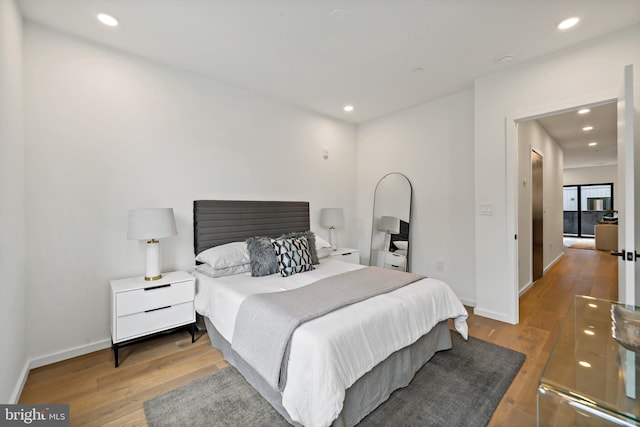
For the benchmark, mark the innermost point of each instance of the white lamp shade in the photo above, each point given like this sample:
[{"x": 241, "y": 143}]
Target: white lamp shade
[
  {"x": 331, "y": 217},
  {"x": 389, "y": 224},
  {"x": 151, "y": 223}
]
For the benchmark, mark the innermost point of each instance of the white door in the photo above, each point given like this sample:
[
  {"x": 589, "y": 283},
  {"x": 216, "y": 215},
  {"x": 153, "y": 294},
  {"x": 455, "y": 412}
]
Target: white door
[{"x": 629, "y": 224}]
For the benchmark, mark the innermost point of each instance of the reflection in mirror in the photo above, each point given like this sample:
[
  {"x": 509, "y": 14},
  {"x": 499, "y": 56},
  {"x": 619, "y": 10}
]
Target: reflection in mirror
[{"x": 391, "y": 217}]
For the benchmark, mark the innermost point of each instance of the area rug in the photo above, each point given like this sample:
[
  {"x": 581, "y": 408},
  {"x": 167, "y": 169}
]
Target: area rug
[
  {"x": 584, "y": 244},
  {"x": 458, "y": 387}
]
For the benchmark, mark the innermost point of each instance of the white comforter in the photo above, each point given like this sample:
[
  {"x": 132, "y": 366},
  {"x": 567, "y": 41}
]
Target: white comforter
[{"x": 330, "y": 353}]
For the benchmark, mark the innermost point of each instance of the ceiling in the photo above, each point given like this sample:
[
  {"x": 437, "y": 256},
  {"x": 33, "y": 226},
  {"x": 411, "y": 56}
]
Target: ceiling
[
  {"x": 381, "y": 56},
  {"x": 567, "y": 130}
]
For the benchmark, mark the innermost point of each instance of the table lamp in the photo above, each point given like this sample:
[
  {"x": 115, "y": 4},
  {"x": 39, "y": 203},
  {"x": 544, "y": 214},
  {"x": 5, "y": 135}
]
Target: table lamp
[
  {"x": 332, "y": 218},
  {"x": 151, "y": 224}
]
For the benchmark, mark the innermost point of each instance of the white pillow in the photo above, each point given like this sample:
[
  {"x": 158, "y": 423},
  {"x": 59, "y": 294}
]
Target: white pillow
[
  {"x": 321, "y": 243},
  {"x": 206, "y": 269},
  {"x": 323, "y": 252},
  {"x": 401, "y": 244},
  {"x": 225, "y": 256}
]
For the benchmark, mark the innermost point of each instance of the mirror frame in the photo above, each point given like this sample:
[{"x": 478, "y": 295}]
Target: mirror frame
[{"x": 373, "y": 219}]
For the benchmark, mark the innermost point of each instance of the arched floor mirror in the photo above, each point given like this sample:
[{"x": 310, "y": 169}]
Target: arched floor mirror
[{"x": 391, "y": 218}]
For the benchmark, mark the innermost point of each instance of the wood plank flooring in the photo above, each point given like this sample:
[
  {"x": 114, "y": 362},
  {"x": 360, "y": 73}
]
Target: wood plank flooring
[{"x": 101, "y": 395}]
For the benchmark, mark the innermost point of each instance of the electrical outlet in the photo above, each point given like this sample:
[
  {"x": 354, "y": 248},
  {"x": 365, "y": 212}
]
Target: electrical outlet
[{"x": 440, "y": 265}]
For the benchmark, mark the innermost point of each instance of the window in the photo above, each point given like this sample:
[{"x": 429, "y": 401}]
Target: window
[{"x": 584, "y": 206}]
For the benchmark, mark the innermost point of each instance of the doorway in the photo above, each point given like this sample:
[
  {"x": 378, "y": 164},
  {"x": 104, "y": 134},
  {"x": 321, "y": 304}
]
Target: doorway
[{"x": 553, "y": 150}]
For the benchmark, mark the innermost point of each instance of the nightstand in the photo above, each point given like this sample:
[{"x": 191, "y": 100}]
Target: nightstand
[
  {"x": 141, "y": 308},
  {"x": 390, "y": 260},
  {"x": 347, "y": 255}
]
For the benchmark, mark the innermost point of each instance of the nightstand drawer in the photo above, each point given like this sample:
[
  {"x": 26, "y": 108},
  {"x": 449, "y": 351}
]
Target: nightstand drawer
[
  {"x": 394, "y": 267},
  {"x": 158, "y": 319},
  {"x": 347, "y": 255},
  {"x": 351, "y": 257},
  {"x": 395, "y": 260},
  {"x": 154, "y": 296}
]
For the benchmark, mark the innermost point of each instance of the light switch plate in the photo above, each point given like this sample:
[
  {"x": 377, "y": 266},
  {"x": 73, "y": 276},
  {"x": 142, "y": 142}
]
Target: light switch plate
[{"x": 486, "y": 208}]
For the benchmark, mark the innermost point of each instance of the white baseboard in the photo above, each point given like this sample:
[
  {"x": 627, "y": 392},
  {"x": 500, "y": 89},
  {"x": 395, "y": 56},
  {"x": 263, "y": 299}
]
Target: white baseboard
[
  {"x": 17, "y": 391},
  {"x": 554, "y": 262},
  {"x": 525, "y": 289},
  {"x": 492, "y": 315},
  {"x": 53, "y": 358},
  {"x": 547, "y": 268},
  {"x": 468, "y": 302},
  {"x": 68, "y": 354}
]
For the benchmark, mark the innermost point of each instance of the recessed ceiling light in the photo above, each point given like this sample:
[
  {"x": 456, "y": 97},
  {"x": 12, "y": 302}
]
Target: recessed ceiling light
[
  {"x": 593, "y": 144},
  {"x": 584, "y": 364},
  {"x": 584, "y": 111},
  {"x": 589, "y": 332},
  {"x": 587, "y": 128},
  {"x": 107, "y": 20},
  {"x": 348, "y": 108},
  {"x": 568, "y": 23}
]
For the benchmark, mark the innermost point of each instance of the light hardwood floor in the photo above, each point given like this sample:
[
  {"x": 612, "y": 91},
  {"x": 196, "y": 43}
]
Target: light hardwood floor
[{"x": 101, "y": 395}]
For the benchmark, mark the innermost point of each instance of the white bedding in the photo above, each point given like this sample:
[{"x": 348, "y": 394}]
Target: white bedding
[{"x": 330, "y": 353}]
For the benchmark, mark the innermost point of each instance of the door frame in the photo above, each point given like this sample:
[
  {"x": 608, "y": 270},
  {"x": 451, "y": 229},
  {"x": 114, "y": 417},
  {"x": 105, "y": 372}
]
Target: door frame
[
  {"x": 511, "y": 160},
  {"x": 541, "y": 155},
  {"x": 628, "y": 271}
]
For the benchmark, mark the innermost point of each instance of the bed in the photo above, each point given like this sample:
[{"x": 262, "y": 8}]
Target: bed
[{"x": 339, "y": 366}]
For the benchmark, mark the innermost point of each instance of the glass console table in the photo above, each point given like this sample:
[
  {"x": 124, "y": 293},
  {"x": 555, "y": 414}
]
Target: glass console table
[{"x": 590, "y": 379}]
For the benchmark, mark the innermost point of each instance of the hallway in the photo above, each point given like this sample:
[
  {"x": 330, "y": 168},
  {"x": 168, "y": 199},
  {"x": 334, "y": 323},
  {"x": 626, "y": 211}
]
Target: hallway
[{"x": 542, "y": 310}]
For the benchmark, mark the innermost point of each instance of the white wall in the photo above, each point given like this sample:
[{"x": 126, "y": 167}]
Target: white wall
[
  {"x": 107, "y": 131},
  {"x": 13, "y": 306},
  {"x": 594, "y": 175},
  {"x": 432, "y": 144},
  {"x": 586, "y": 74},
  {"x": 532, "y": 136}
]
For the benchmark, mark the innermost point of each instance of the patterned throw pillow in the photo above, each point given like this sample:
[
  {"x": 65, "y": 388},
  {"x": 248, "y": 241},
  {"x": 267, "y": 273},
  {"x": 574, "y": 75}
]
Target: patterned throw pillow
[
  {"x": 311, "y": 239},
  {"x": 293, "y": 255}
]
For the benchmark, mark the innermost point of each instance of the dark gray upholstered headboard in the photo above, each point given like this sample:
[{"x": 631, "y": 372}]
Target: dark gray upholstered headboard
[
  {"x": 404, "y": 233},
  {"x": 216, "y": 222}
]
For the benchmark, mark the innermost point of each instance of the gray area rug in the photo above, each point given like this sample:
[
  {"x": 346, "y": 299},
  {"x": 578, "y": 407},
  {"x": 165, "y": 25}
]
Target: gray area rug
[{"x": 458, "y": 387}]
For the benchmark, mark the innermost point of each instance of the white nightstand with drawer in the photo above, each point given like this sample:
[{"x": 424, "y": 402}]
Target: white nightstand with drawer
[
  {"x": 390, "y": 260},
  {"x": 347, "y": 255},
  {"x": 141, "y": 308}
]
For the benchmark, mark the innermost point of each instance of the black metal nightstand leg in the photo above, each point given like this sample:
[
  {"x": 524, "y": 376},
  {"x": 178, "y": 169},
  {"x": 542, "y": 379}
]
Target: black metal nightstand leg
[
  {"x": 115, "y": 353},
  {"x": 192, "y": 329}
]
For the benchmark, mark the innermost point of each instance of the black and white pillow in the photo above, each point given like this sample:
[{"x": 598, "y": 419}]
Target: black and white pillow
[
  {"x": 311, "y": 239},
  {"x": 293, "y": 255}
]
